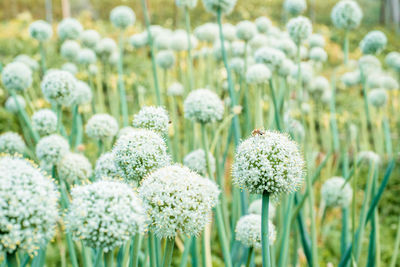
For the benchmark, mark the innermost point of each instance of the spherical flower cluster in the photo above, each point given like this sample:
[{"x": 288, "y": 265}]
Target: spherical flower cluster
[
  {"x": 299, "y": 29},
  {"x": 295, "y": 7},
  {"x": 90, "y": 38},
  {"x": 11, "y": 104},
  {"x": 106, "y": 167},
  {"x": 101, "y": 126},
  {"x": 217, "y": 49},
  {"x": 306, "y": 72},
  {"x": 229, "y": 32},
  {"x": 378, "y": 97},
  {"x": 256, "y": 208},
  {"x": 179, "y": 41},
  {"x": 248, "y": 231},
  {"x": 28, "y": 61},
  {"x": 69, "y": 28},
  {"x": 285, "y": 67},
  {"x": 70, "y": 67},
  {"x": 122, "y": 17},
  {"x": 318, "y": 86},
  {"x": 336, "y": 192},
  {"x": 139, "y": 152},
  {"x": 295, "y": 129},
  {"x": 346, "y": 14},
  {"x": 236, "y": 64},
  {"x": 318, "y": 54},
  {"x": 389, "y": 83},
  {"x": 186, "y": 3},
  {"x": 178, "y": 200},
  {"x": 369, "y": 64},
  {"x": 70, "y": 49},
  {"x": 258, "y": 74},
  {"x": 162, "y": 41},
  {"x": 392, "y": 59},
  {"x": 316, "y": 40},
  {"x": 44, "y": 121},
  {"x": 139, "y": 40},
  {"x": 74, "y": 168},
  {"x": 287, "y": 46},
  {"x": 12, "y": 143},
  {"x": 58, "y": 86},
  {"x": 175, "y": 89},
  {"x": 246, "y": 30},
  {"x": 28, "y": 207},
  {"x": 258, "y": 41},
  {"x": 165, "y": 59},
  {"x": 351, "y": 78},
  {"x": 152, "y": 118},
  {"x": 196, "y": 161},
  {"x": 203, "y": 106},
  {"x": 51, "y": 149},
  {"x": 16, "y": 76},
  {"x": 40, "y": 30},
  {"x": 105, "y": 214},
  {"x": 369, "y": 157},
  {"x": 263, "y": 24},
  {"x": 373, "y": 43},
  {"x": 268, "y": 162},
  {"x": 83, "y": 93},
  {"x": 86, "y": 56},
  {"x": 207, "y": 32},
  {"x": 92, "y": 69},
  {"x": 269, "y": 56},
  {"x": 223, "y": 6},
  {"x": 105, "y": 47}
]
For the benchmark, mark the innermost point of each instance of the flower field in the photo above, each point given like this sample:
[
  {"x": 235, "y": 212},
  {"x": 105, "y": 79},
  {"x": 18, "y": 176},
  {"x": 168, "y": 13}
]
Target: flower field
[{"x": 214, "y": 138}]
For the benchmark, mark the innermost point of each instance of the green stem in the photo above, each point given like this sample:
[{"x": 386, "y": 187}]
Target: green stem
[
  {"x": 388, "y": 139},
  {"x": 286, "y": 230},
  {"x": 86, "y": 256},
  {"x": 99, "y": 255},
  {"x": 152, "y": 250},
  {"x": 169, "y": 249},
  {"x": 59, "y": 118},
  {"x": 11, "y": 259},
  {"x": 266, "y": 257},
  {"x": 276, "y": 109},
  {"x": 396, "y": 246},
  {"x": 189, "y": 58},
  {"x": 250, "y": 256},
  {"x": 109, "y": 259},
  {"x": 135, "y": 248},
  {"x": 186, "y": 250},
  {"x": 121, "y": 85},
  {"x": 101, "y": 147},
  {"x": 258, "y": 108},
  {"x": 314, "y": 244},
  {"x": 194, "y": 252}
]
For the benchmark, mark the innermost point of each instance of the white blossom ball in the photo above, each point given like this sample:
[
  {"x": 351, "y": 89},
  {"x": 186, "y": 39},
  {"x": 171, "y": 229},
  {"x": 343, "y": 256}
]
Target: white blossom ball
[
  {"x": 139, "y": 40},
  {"x": 86, "y": 56},
  {"x": 369, "y": 157},
  {"x": 318, "y": 54},
  {"x": 255, "y": 207},
  {"x": 392, "y": 58},
  {"x": 105, "y": 214},
  {"x": 236, "y": 64},
  {"x": 306, "y": 72},
  {"x": 125, "y": 130},
  {"x": 268, "y": 162},
  {"x": 11, "y": 104},
  {"x": 258, "y": 41},
  {"x": 69, "y": 28},
  {"x": 162, "y": 41},
  {"x": 58, "y": 87},
  {"x": 179, "y": 41},
  {"x": 28, "y": 61},
  {"x": 287, "y": 46},
  {"x": 378, "y": 97},
  {"x": 11, "y": 143},
  {"x": 223, "y": 6},
  {"x": 295, "y": 129},
  {"x": 74, "y": 168},
  {"x": 229, "y": 32},
  {"x": 40, "y": 30},
  {"x": 346, "y": 14},
  {"x": 351, "y": 78},
  {"x": 263, "y": 24},
  {"x": 106, "y": 167},
  {"x": 122, "y": 17},
  {"x": 299, "y": 29},
  {"x": 207, "y": 32},
  {"x": 335, "y": 192},
  {"x": 389, "y": 83},
  {"x": 217, "y": 49},
  {"x": 101, "y": 126},
  {"x": 285, "y": 68},
  {"x": 152, "y": 118},
  {"x": 165, "y": 59},
  {"x": 178, "y": 201},
  {"x": 203, "y": 106},
  {"x": 248, "y": 231},
  {"x": 316, "y": 40},
  {"x": 90, "y": 38},
  {"x": 70, "y": 67},
  {"x": 246, "y": 30},
  {"x": 140, "y": 152},
  {"x": 269, "y": 56},
  {"x": 28, "y": 206},
  {"x": 105, "y": 47},
  {"x": 238, "y": 49},
  {"x": 318, "y": 86},
  {"x": 44, "y": 121},
  {"x": 373, "y": 43},
  {"x": 369, "y": 64},
  {"x": 190, "y": 4},
  {"x": 196, "y": 161},
  {"x": 83, "y": 93},
  {"x": 16, "y": 76},
  {"x": 258, "y": 74},
  {"x": 70, "y": 49},
  {"x": 295, "y": 7},
  {"x": 175, "y": 89},
  {"x": 51, "y": 149},
  {"x": 93, "y": 70}
]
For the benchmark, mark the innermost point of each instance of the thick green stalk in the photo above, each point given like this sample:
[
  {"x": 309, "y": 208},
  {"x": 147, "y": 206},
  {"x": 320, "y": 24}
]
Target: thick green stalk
[
  {"x": 186, "y": 250},
  {"x": 388, "y": 138},
  {"x": 333, "y": 123},
  {"x": 109, "y": 258},
  {"x": 276, "y": 109},
  {"x": 194, "y": 252},
  {"x": 189, "y": 58},
  {"x": 152, "y": 250},
  {"x": 314, "y": 244},
  {"x": 121, "y": 85},
  {"x": 250, "y": 256},
  {"x": 266, "y": 257},
  {"x": 99, "y": 255},
  {"x": 86, "y": 255},
  {"x": 100, "y": 147},
  {"x": 152, "y": 53},
  {"x": 393, "y": 261},
  {"x": 258, "y": 110},
  {"x": 12, "y": 259},
  {"x": 134, "y": 252},
  {"x": 59, "y": 118},
  {"x": 345, "y": 228},
  {"x": 169, "y": 249},
  {"x": 286, "y": 232}
]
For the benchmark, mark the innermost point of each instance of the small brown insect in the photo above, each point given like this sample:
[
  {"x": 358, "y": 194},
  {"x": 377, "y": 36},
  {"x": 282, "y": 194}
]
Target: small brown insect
[{"x": 257, "y": 132}]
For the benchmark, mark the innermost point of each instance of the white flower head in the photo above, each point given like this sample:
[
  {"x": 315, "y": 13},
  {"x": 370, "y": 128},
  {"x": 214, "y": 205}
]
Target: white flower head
[
  {"x": 58, "y": 87},
  {"x": 346, "y": 14},
  {"x": 295, "y": 7},
  {"x": 203, "y": 106},
  {"x": 336, "y": 192},
  {"x": 263, "y": 24},
  {"x": 248, "y": 230},
  {"x": 51, "y": 149},
  {"x": 74, "y": 168},
  {"x": 299, "y": 29},
  {"x": 122, "y": 17},
  {"x": 269, "y": 56},
  {"x": 256, "y": 208},
  {"x": 152, "y": 118},
  {"x": 105, "y": 214},
  {"x": 16, "y": 76},
  {"x": 83, "y": 93},
  {"x": 258, "y": 74},
  {"x": 196, "y": 161},
  {"x": 207, "y": 32},
  {"x": 373, "y": 43},
  {"x": 101, "y": 126},
  {"x": 40, "y": 30},
  {"x": 86, "y": 56},
  {"x": 44, "y": 121},
  {"x": 106, "y": 167},
  {"x": 11, "y": 104},
  {"x": 28, "y": 61},
  {"x": 90, "y": 38},
  {"x": 246, "y": 30},
  {"x": 223, "y": 6},
  {"x": 69, "y": 28},
  {"x": 378, "y": 97},
  {"x": 12, "y": 143},
  {"x": 175, "y": 89},
  {"x": 105, "y": 47},
  {"x": 70, "y": 49},
  {"x": 165, "y": 59}
]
